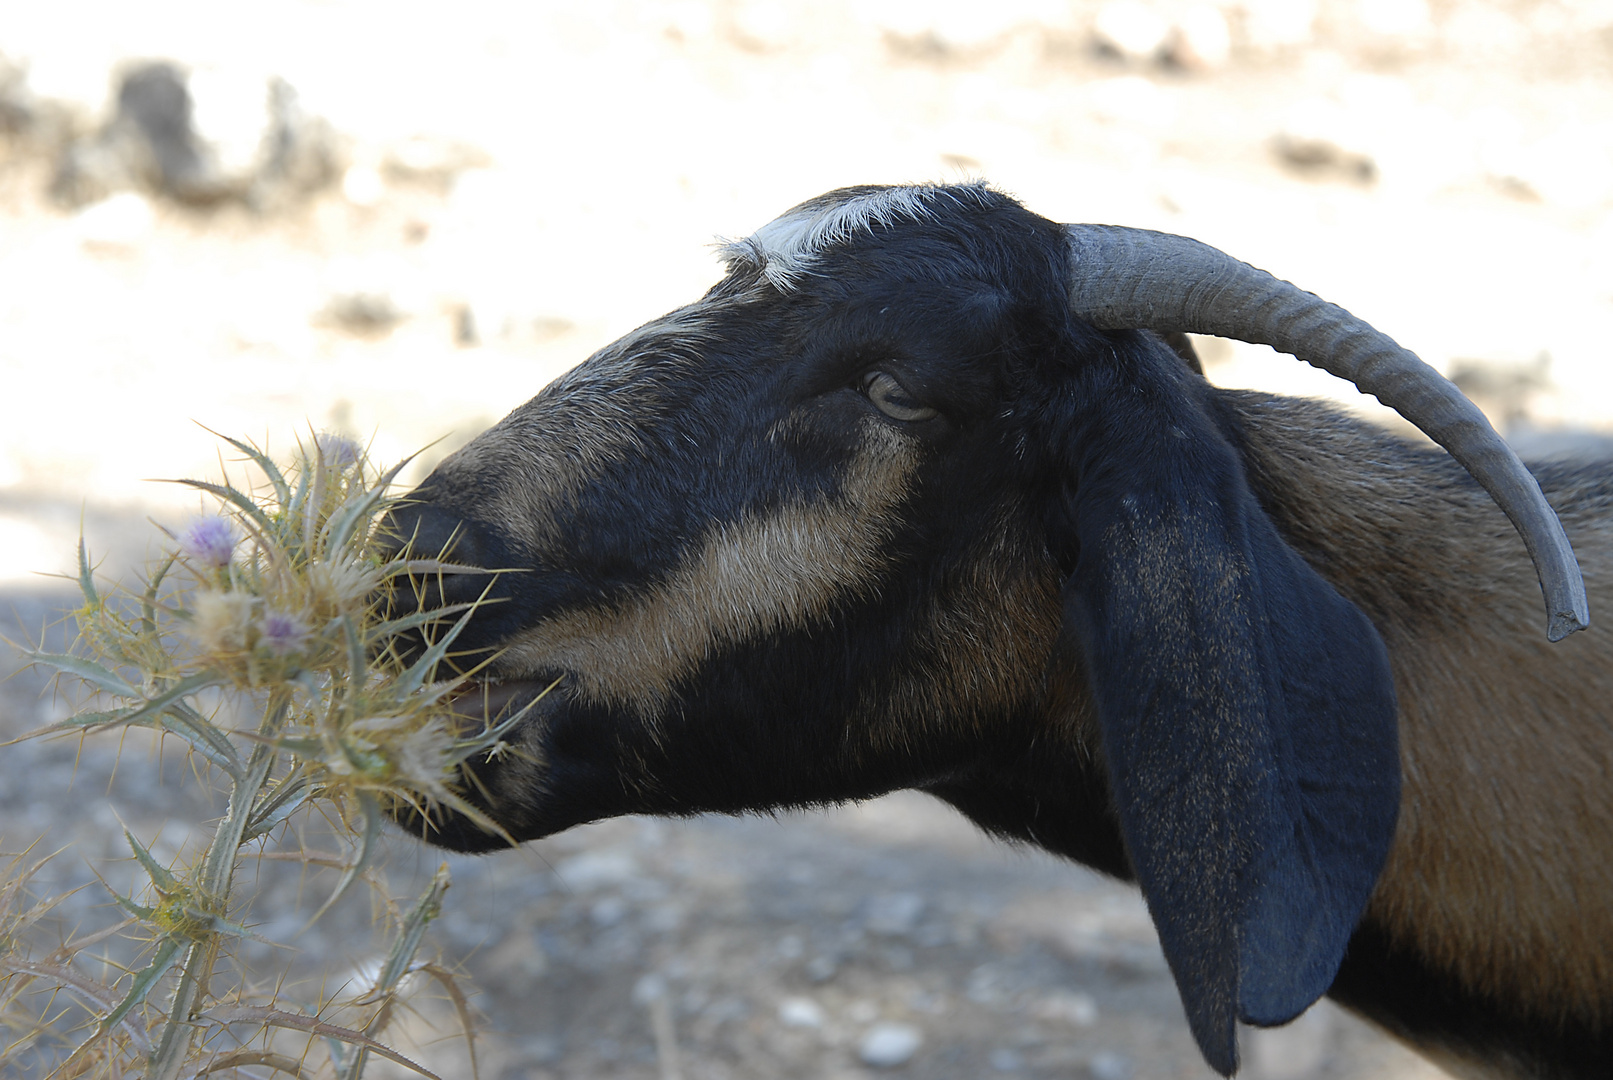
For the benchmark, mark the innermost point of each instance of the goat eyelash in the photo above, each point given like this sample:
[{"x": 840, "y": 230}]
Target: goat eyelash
[{"x": 890, "y": 397}]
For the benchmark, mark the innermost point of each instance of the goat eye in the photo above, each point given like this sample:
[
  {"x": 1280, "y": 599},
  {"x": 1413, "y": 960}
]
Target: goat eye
[{"x": 892, "y": 399}]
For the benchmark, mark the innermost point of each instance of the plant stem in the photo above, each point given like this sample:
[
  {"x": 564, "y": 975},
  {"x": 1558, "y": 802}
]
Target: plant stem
[{"x": 213, "y": 895}]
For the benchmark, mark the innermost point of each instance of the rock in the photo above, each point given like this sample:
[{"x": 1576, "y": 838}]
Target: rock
[
  {"x": 1277, "y": 24},
  {"x": 821, "y": 968},
  {"x": 431, "y": 160},
  {"x": 369, "y": 296},
  {"x": 121, "y": 221},
  {"x": 1295, "y": 1051},
  {"x": 1062, "y": 1006},
  {"x": 1005, "y": 1060},
  {"x": 1131, "y": 29},
  {"x": 597, "y": 869},
  {"x": 17, "y": 110},
  {"x": 362, "y": 185},
  {"x": 963, "y": 26},
  {"x": 1396, "y": 18},
  {"x": 649, "y": 988},
  {"x": 894, "y": 913},
  {"x": 200, "y": 136},
  {"x": 801, "y": 1012},
  {"x": 1200, "y": 39},
  {"x": 1107, "y": 1065},
  {"x": 608, "y": 911},
  {"x": 1323, "y": 138},
  {"x": 887, "y": 1045}
]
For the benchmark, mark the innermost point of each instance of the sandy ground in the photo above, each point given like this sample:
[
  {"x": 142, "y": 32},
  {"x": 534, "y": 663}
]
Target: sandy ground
[{"x": 519, "y": 184}]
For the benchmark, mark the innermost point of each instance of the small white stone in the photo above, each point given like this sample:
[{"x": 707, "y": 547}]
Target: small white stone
[
  {"x": 1109, "y": 1066},
  {"x": 894, "y": 913},
  {"x": 886, "y": 1046},
  {"x": 1201, "y": 39},
  {"x": 801, "y": 1012},
  {"x": 596, "y": 869},
  {"x": 362, "y": 186},
  {"x": 1396, "y": 18},
  {"x": 1294, "y": 1051},
  {"x": 123, "y": 220},
  {"x": 1063, "y": 1006},
  {"x": 651, "y": 987},
  {"x": 608, "y": 911},
  {"x": 1006, "y": 1060},
  {"x": 1277, "y": 24},
  {"x": 232, "y": 116},
  {"x": 1131, "y": 28}
]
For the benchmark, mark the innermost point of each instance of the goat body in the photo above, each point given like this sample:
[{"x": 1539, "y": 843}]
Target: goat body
[{"x": 881, "y": 512}]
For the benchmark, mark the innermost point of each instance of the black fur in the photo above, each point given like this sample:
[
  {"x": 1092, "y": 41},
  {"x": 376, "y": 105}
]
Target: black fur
[{"x": 1399, "y": 989}]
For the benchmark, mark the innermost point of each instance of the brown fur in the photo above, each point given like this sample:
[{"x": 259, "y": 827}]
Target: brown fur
[
  {"x": 1500, "y": 871},
  {"x": 757, "y": 576},
  {"x": 545, "y": 452},
  {"x": 979, "y": 649}
]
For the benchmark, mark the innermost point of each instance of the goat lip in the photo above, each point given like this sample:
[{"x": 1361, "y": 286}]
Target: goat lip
[{"x": 499, "y": 700}]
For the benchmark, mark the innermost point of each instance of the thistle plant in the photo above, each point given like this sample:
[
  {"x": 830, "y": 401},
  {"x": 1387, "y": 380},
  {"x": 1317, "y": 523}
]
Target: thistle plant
[{"x": 263, "y": 641}]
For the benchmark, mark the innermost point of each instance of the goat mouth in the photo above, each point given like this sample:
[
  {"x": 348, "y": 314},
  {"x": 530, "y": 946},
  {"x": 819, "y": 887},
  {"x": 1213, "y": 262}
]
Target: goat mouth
[{"x": 495, "y": 701}]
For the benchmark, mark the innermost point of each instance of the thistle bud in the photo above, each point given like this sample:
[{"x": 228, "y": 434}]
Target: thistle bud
[{"x": 209, "y": 540}]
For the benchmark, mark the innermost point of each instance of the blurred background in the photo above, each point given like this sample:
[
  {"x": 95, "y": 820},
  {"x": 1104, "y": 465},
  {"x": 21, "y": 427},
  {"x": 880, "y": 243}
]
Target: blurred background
[{"x": 398, "y": 222}]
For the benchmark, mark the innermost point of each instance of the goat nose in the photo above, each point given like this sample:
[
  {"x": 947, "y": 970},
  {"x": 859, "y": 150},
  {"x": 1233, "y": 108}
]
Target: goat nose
[
  {"x": 429, "y": 532},
  {"x": 424, "y": 531}
]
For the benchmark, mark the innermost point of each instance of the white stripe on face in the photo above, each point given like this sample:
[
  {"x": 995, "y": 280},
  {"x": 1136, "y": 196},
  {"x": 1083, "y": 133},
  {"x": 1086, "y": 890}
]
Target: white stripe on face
[{"x": 761, "y": 575}]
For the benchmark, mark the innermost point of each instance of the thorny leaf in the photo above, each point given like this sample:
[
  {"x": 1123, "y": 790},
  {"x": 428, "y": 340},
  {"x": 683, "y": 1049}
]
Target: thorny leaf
[
  {"x": 401, "y": 955},
  {"x": 89, "y": 671},
  {"x": 258, "y": 1014},
  {"x": 144, "y": 980},
  {"x": 237, "y": 499},
  {"x": 90, "y": 991},
  {"x": 262, "y": 461},
  {"x": 371, "y": 809},
  {"x": 236, "y": 1059},
  {"x": 86, "y": 576},
  {"x": 159, "y": 874},
  {"x": 467, "y": 1023},
  {"x": 290, "y": 793}
]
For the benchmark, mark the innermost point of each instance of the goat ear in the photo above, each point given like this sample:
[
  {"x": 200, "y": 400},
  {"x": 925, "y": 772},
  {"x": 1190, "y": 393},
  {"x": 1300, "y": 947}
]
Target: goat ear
[{"x": 1247, "y": 709}]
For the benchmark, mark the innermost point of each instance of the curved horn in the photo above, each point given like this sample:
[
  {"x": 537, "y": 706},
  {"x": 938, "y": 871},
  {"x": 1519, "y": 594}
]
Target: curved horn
[{"x": 1138, "y": 279}]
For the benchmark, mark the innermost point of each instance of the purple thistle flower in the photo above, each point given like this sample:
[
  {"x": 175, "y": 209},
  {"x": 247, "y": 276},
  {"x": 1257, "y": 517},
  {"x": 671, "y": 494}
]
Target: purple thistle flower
[
  {"x": 338, "y": 450},
  {"x": 209, "y": 540},
  {"x": 281, "y": 633}
]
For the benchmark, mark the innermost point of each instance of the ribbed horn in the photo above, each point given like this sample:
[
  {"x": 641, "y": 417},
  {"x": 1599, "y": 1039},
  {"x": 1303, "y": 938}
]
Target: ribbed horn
[{"x": 1137, "y": 279}]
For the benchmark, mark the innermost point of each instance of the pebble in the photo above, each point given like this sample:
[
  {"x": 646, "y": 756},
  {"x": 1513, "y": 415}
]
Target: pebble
[
  {"x": 608, "y": 912},
  {"x": 1005, "y": 1060},
  {"x": 1201, "y": 39},
  {"x": 650, "y": 987},
  {"x": 1063, "y": 1006},
  {"x": 1131, "y": 29},
  {"x": 596, "y": 869},
  {"x": 1294, "y": 1051},
  {"x": 895, "y": 914},
  {"x": 1109, "y": 1066},
  {"x": 821, "y": 968},
  {"x": 122, "y": 221},
  {"x": 887, "y": 1045},
  {"x": 801, "y": 1012}
]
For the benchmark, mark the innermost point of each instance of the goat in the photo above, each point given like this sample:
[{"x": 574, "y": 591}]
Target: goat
[{"x": 919, "y": 496}]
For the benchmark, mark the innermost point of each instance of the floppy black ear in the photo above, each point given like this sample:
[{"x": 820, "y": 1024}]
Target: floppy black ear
[{"x": 1247, "y": 709}]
